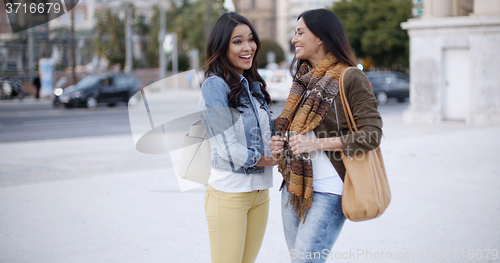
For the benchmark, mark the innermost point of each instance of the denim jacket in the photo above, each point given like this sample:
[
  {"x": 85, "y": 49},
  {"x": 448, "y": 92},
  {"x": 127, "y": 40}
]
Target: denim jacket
[{"x": 235, "y": 136}]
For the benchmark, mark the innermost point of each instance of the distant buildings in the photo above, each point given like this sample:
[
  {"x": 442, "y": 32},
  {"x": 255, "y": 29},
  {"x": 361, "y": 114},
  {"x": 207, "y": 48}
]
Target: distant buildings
[
  {"x": 86, "y": 9},
  {"x": 454, "y": 63},
  {"x": 262, "y": 15},
  {"x": 14, "y": 51},
  {"x": 84, "y": 16},
  {"x": 276, "y": 19}
]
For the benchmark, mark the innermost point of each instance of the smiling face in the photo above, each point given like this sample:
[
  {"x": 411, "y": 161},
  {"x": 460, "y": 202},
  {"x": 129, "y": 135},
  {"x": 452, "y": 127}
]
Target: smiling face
[
  {"x": 307, "y": 45},
  {"x": 242, "y": 48}
]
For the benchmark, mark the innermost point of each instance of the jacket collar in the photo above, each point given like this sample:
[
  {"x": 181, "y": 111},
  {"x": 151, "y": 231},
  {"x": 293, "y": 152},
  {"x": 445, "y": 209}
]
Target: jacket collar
[
  {"x": 242, "y": 78},
  {"x": 254, "y": 86}
]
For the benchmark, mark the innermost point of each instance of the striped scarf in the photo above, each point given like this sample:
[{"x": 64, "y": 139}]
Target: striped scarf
[{"x": 322, "y": 84}]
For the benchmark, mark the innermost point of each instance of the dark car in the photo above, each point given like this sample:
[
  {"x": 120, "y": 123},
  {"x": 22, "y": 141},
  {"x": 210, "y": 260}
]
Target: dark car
[
  {"x": 389, "y": 84},
  {"x": 101, "y": 88}
]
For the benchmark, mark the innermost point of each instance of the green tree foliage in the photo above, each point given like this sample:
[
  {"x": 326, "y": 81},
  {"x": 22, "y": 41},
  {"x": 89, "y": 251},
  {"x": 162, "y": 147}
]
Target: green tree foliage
[
  {"x": 186, "y": 18},
  {"x": 141, "y": 28},
  {"x": 109, "y": 41},
  {"x": 267, "y": 45},
  {"x": 373, "y": 29},
  {"x": 188, "y": 21},
  {"x": 183, "y": 60}
]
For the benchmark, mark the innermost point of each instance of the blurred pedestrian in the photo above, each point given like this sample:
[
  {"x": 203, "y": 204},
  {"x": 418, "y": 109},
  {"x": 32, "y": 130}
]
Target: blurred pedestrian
[
  {"x": 316, "y": 133},
  {"x": 237, "y": 196},
  {"x": 190, "y": 76},
  {"x": 37, "y": 84}
]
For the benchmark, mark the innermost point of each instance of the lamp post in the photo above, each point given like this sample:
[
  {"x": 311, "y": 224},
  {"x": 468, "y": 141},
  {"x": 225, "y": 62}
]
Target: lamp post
[
  {"x": 128, "y": 38},
  {"x": 73, "y": 53},
  {"x": 161, "y": 37},
  {"x": 208, "y": 14}
]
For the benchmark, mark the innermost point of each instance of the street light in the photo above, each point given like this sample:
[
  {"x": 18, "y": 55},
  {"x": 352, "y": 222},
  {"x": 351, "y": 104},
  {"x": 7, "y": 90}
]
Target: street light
[
  {"x": 161, "y": 38},
  {"x": 73, "y": 53}
]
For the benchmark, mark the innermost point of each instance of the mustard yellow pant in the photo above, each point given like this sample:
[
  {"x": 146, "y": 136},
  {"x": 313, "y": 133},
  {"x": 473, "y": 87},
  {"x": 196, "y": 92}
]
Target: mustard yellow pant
[{"x": 236, "y": 224}]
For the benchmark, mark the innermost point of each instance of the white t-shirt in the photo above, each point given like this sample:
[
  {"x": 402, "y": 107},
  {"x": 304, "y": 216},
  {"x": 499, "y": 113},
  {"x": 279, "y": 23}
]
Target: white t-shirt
[
  {"x": 229, "y": 182},
  {"x": 325, "y": 177}
]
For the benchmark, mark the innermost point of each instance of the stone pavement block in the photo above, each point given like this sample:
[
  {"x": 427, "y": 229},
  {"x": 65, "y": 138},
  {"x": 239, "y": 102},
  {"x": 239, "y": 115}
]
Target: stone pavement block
[{"x": 127, "y": 208}]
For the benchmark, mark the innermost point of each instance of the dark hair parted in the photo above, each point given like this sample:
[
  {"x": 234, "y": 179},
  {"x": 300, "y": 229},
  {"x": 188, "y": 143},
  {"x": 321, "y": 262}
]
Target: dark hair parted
[
  {"x": 218, "y": 62},
  {"x": 326, "y": 26}
]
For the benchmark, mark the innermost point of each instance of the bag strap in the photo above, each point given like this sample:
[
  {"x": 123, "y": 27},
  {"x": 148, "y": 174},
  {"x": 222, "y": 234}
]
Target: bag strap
[{"x": 345, "y": 104}]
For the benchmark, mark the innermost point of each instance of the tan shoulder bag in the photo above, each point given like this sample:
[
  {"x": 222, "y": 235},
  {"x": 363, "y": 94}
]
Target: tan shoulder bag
[{"x": 366, "y": 192}]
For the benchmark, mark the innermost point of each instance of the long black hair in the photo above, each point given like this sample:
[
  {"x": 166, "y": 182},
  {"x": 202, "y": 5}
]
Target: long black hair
[
  {"x": 218, "y": 62},
  {"x": 326, "y": 26}
]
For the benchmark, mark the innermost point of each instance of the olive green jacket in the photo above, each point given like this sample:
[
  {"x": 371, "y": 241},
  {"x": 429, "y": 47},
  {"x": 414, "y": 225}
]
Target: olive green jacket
[{"x": 364, "y": 109}]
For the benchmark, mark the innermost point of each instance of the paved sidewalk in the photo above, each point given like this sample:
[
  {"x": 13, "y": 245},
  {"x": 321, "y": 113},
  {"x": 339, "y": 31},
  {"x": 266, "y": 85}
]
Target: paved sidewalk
[{"x": 110, "y": 203}]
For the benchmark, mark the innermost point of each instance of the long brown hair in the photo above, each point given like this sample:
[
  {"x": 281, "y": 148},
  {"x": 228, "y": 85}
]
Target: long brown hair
[
  {"x": 326, "y": 26},
  {"x": 218, "y": 63}
]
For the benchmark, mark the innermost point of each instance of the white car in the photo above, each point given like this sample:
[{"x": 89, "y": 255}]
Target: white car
[
  {"x": 266, "y": 74},
  {"x": 279, "y": 84}
]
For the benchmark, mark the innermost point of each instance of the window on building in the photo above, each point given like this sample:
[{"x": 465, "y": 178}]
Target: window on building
[
  {"x": 65, "y": 19},
  {"x": 79, "y": 17}
]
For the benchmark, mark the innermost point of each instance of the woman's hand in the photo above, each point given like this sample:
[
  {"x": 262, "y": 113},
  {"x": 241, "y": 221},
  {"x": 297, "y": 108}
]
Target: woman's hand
[
  {"x": 277, "y": 145},
  {"x": 302, "y": 144},
  {"x": 266, "y": 161}
]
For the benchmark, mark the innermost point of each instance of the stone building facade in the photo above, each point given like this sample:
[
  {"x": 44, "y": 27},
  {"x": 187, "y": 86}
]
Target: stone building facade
[
  {"x": 262, "y": 15},
  {"x": 455, "y": 63}
]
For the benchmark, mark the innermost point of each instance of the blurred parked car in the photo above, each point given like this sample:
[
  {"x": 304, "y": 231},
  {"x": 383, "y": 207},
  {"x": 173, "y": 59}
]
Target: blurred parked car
[
  {"x": 389, "y": 84},
  {"x": 101, "y": 88},
  {"x": 11, "y": 88},
  {"x": 266, "y": 74},
  {"x": 278, "y": 85}
]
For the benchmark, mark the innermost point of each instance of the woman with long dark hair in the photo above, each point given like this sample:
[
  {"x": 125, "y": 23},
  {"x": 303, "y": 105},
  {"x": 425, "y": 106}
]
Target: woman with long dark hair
[
  {"x": 312, "y": 132},
  {"x": 235, "y": 112}
]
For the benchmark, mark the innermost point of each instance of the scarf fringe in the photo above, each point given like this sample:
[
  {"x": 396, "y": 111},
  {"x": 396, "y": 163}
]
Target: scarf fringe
[
  {"x": 300, "y": 203},
  {"x": 300, "y": 206}
]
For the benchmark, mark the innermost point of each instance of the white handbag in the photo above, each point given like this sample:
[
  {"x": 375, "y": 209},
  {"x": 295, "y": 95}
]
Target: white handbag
[{"x": 194, "y": 163}]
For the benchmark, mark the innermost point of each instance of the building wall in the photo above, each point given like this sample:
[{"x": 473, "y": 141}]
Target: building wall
[
  {"x": 4, "y": 21},
  {"x": 486, "y": 7},
  {"x": 430, "y": 39},
  {"x": 446, "y": 8},
  {"x": 294, "y": 9},
  {"x": 282, "y": 24},
  {"x": 84, "y": 16},
  {"x": 262, "y": 15},
  {"x": 276, "y": 19},
  {"x": 87, "y": 9}
]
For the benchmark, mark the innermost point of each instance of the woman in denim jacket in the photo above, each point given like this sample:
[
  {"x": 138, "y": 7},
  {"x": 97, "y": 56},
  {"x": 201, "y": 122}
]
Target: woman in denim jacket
[{"x": 235, "y": 112}]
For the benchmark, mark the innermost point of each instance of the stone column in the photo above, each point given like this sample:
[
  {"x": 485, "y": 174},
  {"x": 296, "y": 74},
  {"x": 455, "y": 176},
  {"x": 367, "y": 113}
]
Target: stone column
[
  {"x": 438, "y": 8},
  {"x": 442, "y": 8}
]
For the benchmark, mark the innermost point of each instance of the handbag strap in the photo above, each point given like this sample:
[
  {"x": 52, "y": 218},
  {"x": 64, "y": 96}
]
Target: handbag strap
[{"x": 345, "y": 104}]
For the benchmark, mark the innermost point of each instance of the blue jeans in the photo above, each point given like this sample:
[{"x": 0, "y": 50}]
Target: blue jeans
[{"x": 312, "y": 240}]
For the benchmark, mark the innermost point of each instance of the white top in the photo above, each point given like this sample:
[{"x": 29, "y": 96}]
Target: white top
[
  {"x": 229, "y": 182},
  {"x": 325, "y": 177}
]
